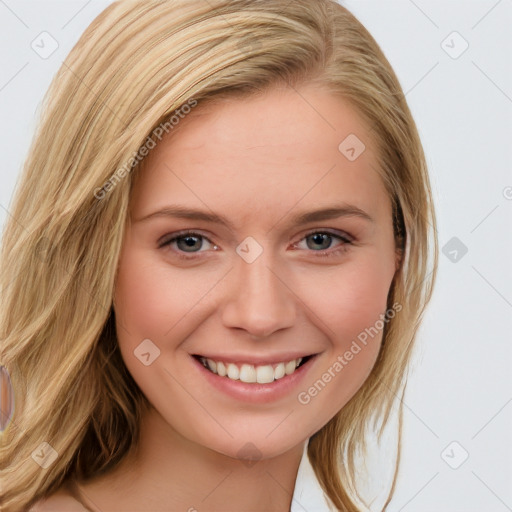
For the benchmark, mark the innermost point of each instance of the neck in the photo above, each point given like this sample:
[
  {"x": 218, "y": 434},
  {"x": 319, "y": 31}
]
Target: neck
[{"x": 167, "y": 472}]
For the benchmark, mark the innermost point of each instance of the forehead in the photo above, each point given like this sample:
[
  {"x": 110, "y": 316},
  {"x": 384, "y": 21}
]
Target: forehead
[{"x": 258, "y": 157}]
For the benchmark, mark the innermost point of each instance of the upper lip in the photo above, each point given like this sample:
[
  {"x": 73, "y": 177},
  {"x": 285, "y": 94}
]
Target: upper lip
[{"x": 256, "y": 360}]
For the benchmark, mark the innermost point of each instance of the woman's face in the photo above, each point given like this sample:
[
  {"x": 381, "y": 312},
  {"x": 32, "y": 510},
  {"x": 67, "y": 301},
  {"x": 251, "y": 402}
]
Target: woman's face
[{"x": 290, "y": 255}]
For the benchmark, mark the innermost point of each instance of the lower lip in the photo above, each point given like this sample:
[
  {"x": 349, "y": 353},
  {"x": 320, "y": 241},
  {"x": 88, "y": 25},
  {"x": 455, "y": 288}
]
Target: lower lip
[{"x": 254, "y": 392}]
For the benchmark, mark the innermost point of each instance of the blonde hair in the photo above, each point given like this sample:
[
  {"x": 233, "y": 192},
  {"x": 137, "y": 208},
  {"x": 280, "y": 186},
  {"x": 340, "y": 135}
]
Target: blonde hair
[{"x": 135, "y": 66}]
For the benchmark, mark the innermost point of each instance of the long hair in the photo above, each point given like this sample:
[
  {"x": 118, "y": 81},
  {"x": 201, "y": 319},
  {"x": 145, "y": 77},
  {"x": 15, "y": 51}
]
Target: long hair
[{"x": 136, "y": 69}]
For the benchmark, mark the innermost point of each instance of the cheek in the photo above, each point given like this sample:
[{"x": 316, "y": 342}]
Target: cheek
[
  {"x": 154, "y": 302},
  {"x": 350, "y": 298},
  {"x": 149, "y": 299},
  {"x": 150, "y": 303},
  {"x": 351, "y": 305}
]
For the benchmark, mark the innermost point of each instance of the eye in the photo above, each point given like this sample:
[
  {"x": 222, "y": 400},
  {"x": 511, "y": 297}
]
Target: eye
[
  {"x": 323, "y": 240},
  {"x": 186, "y": 242}
]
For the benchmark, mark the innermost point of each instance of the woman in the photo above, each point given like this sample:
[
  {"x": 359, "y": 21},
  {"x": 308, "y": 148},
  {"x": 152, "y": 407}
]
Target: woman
[{"x": 218, "y": 262}]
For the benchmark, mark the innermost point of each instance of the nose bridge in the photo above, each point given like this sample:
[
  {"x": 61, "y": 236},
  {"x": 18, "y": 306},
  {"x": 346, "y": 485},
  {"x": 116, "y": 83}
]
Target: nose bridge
[{"x": 258, "y": 300}]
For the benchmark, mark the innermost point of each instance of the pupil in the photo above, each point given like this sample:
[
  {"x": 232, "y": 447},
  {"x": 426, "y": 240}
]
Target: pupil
[
  {"x": 189, "y": 241},
  {"x": 321, "y": 238}
]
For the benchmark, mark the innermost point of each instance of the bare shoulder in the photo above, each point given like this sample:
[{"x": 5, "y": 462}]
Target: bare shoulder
[{"x": 60, "y": 501}]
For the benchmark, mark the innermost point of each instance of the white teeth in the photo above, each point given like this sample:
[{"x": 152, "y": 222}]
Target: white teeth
[
  {"x": 248, "y": 373},
  {"x": 264, "y": 374},
  {"x": 289, "y": 368},
  {"x": 233, "y": 371},
  {"x": 221, "y": 369},
  {"x": 279, "y": 372}
]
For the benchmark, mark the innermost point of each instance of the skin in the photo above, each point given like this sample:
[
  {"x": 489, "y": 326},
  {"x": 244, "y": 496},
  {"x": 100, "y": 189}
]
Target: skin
[{"x": 258, "y": 162}]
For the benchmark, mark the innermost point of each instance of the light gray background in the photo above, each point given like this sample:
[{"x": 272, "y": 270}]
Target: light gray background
[{"x": 460, "y": 388}]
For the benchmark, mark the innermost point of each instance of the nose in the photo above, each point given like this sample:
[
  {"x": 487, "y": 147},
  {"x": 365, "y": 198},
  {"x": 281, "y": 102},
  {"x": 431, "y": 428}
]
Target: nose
[{"x": 258, "y": 300}]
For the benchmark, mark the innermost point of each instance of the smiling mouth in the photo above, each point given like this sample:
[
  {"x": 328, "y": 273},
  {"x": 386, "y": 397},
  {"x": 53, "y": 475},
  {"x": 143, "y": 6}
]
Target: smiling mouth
[{"x": 260, "y": 374}]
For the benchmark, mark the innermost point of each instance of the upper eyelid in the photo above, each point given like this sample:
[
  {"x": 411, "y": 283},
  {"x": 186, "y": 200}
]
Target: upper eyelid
[{"x": 339, "y": 234}]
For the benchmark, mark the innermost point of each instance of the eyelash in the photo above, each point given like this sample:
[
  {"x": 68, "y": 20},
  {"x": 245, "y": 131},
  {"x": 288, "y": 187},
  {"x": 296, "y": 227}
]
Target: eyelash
[{"x": 326, "y": 253}]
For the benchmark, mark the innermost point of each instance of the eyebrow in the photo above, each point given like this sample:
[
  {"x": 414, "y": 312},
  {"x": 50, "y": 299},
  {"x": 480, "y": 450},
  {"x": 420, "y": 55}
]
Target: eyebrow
[{"x": 329, "y": 212}]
